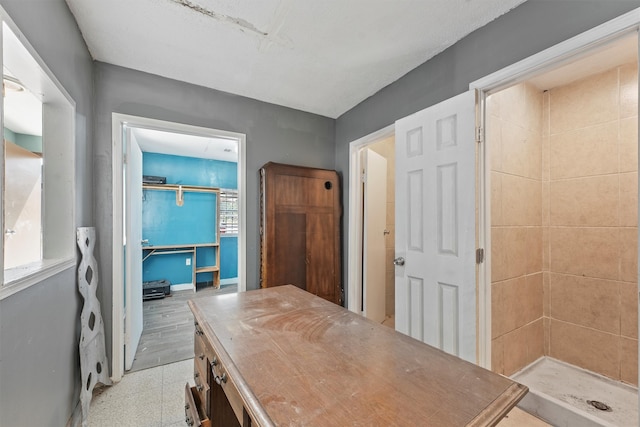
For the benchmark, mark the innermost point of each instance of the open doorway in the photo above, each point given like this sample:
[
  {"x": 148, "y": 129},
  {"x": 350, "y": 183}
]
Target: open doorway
[
  {"x": 561, "y": 180},
  {"x": 189, "y": 238},
  {"x": 372, "y": 249},
  {"x": 181, "y": 229}
]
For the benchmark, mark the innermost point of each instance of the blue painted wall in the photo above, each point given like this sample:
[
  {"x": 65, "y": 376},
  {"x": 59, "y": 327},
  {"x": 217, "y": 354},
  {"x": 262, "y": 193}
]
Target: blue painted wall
[
  {"x": 190, "y": 170},
  {"x": 165, "y": 223},
  {"x": 229, "y": 245}
]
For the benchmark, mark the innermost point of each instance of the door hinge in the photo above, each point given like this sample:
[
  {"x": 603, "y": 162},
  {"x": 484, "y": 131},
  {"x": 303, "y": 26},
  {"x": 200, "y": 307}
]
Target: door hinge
[
  {"x": 479, "y": 134},
  {"x": 479, "y": 256},
  {"x": 363, "y": 177}
]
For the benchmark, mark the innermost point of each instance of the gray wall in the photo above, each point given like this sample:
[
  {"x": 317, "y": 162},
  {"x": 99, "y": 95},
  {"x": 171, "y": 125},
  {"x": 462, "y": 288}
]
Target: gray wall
[
  {"x": 273, "y": 134},
  {"x": 39, "y": 327},
  {"x": 528, "y": 29}
]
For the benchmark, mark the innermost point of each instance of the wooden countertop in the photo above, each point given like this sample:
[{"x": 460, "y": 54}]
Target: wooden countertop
[{"x": 298, "y": 360}]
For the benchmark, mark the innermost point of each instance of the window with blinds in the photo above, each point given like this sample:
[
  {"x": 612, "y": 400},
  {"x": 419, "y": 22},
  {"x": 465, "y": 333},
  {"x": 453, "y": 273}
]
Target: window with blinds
[{"x": 229, "y": 212}]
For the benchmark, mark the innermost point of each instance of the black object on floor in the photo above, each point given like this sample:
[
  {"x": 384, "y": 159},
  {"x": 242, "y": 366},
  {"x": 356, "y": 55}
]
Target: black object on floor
[{"x": 155, "y": 289}]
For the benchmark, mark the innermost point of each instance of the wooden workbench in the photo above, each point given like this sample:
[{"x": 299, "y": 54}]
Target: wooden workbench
[{"x": 285, "y": 357}]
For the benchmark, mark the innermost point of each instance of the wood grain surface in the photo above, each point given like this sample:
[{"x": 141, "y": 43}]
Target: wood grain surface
[{"x": 298, "y": 360}]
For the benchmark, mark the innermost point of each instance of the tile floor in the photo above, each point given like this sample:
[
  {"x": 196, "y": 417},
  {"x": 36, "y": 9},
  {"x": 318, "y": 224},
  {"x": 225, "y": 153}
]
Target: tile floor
[
  {"x": 519, "y": 418},
  {"x": 151, "y": 397},
  {"x": 167, "y": 334}
]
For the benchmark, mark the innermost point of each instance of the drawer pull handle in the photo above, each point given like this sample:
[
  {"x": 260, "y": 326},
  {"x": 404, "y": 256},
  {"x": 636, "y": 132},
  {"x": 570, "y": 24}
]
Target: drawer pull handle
[
  {"x": 201, "y": 357},
  {"x": 214, "y": 362},
  {"x": 189, "y": 421},
  {"x": 221, "y": 378},
  {"x": 196, "y": 375},
  {"x": 200, "y": 387},
  {"x": 186, "y": 407}
]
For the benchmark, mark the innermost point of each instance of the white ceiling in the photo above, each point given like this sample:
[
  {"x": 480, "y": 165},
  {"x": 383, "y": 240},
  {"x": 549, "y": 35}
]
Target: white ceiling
[
  {"x": 320, "y": 56},
  {"x": 180, "y": 144}
]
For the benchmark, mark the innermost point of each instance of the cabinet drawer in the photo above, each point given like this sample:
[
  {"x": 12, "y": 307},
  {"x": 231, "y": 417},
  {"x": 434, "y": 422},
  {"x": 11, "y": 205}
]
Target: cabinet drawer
[
  {"x": 201, "y": 351},
  {"x": 193, "y": 410},
  {"x": 202, "y": 387},
  {"x": 220, "y": 377}
]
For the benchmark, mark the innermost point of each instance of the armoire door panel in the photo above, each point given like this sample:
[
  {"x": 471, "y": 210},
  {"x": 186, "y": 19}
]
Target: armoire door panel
[
  {"x": 320, "y": 254},
  {"x": 300, "y": 229},
  {"x": 290, "y": 241},
  {"x": 315, "y": 193}
]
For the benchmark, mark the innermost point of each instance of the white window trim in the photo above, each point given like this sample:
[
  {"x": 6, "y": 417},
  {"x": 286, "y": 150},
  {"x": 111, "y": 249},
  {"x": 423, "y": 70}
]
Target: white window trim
[
  {"x": 229, "y": 190},
  {"x": 59, "y": 124}
]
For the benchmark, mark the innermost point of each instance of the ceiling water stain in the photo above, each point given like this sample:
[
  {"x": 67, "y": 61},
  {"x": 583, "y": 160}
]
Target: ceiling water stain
[{"x": 242, "y": 24}]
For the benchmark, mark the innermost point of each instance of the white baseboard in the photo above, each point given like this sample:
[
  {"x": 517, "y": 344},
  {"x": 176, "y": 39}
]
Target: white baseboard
[
  {"x": 182, "y": 287},
  {"x": 230, "y": 281}
]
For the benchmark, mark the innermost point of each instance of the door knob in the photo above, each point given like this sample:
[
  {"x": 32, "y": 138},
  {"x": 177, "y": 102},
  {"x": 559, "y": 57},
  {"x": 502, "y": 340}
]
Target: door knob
[{"x": 398, "y": 261}]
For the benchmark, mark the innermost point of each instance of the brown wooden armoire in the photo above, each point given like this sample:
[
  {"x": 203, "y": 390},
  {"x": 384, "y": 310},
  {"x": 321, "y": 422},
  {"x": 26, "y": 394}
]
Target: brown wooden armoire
[{"x": 300, "y": 214}]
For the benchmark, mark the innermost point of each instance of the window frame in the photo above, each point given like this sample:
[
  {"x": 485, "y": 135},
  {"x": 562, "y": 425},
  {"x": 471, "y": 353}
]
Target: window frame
[
  {"x": 224, "y": 192},
  {"x": 59, "y": 164}
]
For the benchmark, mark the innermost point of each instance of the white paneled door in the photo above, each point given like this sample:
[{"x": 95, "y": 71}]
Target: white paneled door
[
  {"x": 435, "y": 226},
  {"x": 133, "y": 255}
]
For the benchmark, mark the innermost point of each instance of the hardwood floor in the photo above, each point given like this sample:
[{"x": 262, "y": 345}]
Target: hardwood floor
[{"x": 167, "y": 334}]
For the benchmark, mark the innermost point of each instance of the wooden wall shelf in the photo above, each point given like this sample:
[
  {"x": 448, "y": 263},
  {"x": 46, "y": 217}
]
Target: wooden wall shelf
[{"x": 192, "y": 248}]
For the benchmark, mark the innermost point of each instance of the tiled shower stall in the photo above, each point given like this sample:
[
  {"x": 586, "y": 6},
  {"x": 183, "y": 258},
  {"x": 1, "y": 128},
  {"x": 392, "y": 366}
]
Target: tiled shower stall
[{"x": 564, "y": 174}]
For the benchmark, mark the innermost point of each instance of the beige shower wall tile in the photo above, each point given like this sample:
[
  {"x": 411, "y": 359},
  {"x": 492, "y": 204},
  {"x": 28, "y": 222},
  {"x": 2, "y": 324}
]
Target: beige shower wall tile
[
  {"x": 545, "y": 114},
  {"x": 533, "y": 97},
  {"x": 587, "y": 348},
  {"x": 546, "y": 159},
  {"x": 628, "y": 238},
  {"x": 498, "y": 310},
  {"x": 521, "y": 201},
  {"x": 523, "y": 346},
  {"x": 628, "y": 309},
  {"x": 629, "y": 145},
  {"x": 493, "y": 137},
  {"x": 513, "y": 105},
  {"x": 629, "y": 199},
  {"x": 546, "y": 212},
  {"x": 590, "y": 252},
  {"x": 534, "y": 296},
  {"x": 521, "y": 150},
  {"x": 492, "y": 105},
  {"x": 508, "y": 253},
  {"x": 507, "y": 306},
  {"x": 546, "y": 294},
  {"x": 497, "y": 355},
  {"x": 586, "y": 102},
  {"x": 593, "y": 303},
  {"x": 515, "y": 303},
  {"x": 496, "y": 199},
  {"x": 514, "y": 148},
  {"x": 516, "y": 349},
  {"x": 628, "y": 90},
  {"x": 589, "y": 201},
  {"x": 629, "y": 361},
  {"x": 534, "y": 249},
  {"x": 534, "y": 154},
  {"x": 546, "y": 249},
  {"x": 547, "y": 336},
  {"x": 584, "y": 152}
]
